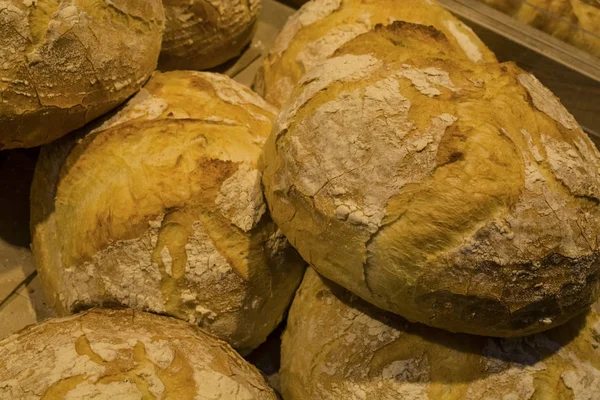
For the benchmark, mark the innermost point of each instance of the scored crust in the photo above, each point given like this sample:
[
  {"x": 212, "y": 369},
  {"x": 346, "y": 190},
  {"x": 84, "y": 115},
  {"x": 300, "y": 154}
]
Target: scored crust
[
  {"x": 460, "y": 195},
  {"x": 124, "y": 354},
  {"x": 161, "y": 208},
  {"x": 320, "y": 27}
]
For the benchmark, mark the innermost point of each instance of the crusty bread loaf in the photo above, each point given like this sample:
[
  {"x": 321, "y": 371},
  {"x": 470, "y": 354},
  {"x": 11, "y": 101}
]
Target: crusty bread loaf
[
  {"x": 337, "y": 346},
  {"x": 161, "y": 209},
  {"x": 456, "y": 194},
  {"x": 124, "y": 354},
  {"x": 65, "y": 62},
  {"x": 322, "y": 26},
  {"x": 201, "y": 34}
]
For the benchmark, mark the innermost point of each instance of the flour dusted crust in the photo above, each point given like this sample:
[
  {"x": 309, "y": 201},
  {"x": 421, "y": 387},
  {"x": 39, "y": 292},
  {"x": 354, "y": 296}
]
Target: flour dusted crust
[
  {"x": 124, "y": 354},
  {"x": 66, "y": 62},
  {"x": 336, "y": 346},
  {"x": 201, "y": 34},
  {"x": 456, "y": 194},
  {"x": 161, "y": 209},
  {"x": 320, "y": 27}
]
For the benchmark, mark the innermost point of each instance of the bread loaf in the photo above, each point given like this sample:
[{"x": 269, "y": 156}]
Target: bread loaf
[
  {"x": 322, "y": 26},
  {"x": 460, "y": 195},
  {"x": 337, "y": 346},
  {"x": 161, "y": 209},
  {"x": 124, "y": 354},
  {"x": 65, "y": 62},
  {"x": 201, "y": 34}
]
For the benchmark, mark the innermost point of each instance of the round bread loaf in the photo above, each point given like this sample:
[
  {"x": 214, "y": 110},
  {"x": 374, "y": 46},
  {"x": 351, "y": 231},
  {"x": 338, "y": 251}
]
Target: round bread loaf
[
  {"x": 201, "y": 34},
  {"x": 124, "y": 354},
  {"x": 337, "y": 346},
  {"x": 460, "y": 195},
  {"x": 65, "y": 62},
  {"x": 161, "y": 209},
  {"x": 322, "y": 26}
]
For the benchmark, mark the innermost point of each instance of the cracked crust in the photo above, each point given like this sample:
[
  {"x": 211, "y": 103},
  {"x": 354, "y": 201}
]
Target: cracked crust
[
  {"x": 202, "y": 34},
  {"x": 64, "y": 63},
  {"x": 160, "y": 208},
  {"x": 320, "y": 27},
  {"x": 337, "y": 346},
  {"x": 445, "y": 191},
  {"x": 124, "y": 354}
]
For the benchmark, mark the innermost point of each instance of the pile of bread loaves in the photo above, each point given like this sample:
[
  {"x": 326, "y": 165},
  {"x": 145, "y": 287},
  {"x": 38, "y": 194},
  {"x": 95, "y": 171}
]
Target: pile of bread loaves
[{"x": 448, "y": 207}]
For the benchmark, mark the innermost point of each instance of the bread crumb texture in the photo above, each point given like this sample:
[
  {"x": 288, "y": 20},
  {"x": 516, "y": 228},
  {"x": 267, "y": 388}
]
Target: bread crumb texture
[
  {"x": 66, "y": 62},
  {"x": 124, "y": 354},
  {"x": 320, "y": 27},
  {"x": 337, "y": 346},
  {"x": 161, "y": 208},
  {"x": 457, "y": 194},
  {"x": 201, "y": 34}
]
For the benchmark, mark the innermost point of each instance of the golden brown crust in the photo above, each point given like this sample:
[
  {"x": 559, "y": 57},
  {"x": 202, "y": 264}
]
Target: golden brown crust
[
  {"x": 202, "y": 34},
  {"x": 160, "y": 208},
  {"x": 124, "y": 354},
  {"x": 65, "y": 63},
  {"x": 337, "y": 346},
  {"x": 322, "y": 26},
  {"x": 465, "y": 196}
]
